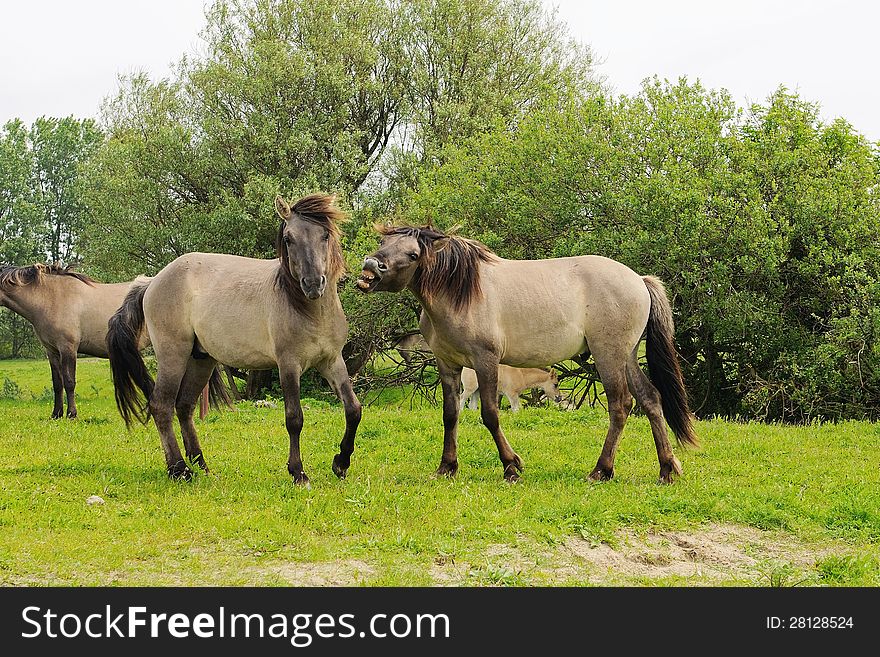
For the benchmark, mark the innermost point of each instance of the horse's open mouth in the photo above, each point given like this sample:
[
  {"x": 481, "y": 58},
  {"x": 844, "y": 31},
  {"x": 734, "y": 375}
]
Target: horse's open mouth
[{"x": 367, "y": 281}]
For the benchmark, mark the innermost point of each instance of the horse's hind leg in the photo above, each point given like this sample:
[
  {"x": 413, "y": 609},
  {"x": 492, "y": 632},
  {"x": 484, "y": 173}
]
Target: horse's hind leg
[
  {"x": 487, "y": 378},
  {"x": 57, "y": 385},
  {"x": 612, "y": 371},
  {"x": 198, "y": 373},
  {"x": 172, "y": 368},
  {"x": 649, "y": 399},
  {"x": 67, "y": 356}
]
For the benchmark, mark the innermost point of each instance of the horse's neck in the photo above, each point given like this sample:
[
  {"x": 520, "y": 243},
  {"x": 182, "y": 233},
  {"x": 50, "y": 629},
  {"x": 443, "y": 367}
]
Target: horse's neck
[
  {"x": 327, "y": 307},
  {"x": 535, "y": 377},
  {"x": 438, "y": 310},
  {"x": 24, "y": 300}
]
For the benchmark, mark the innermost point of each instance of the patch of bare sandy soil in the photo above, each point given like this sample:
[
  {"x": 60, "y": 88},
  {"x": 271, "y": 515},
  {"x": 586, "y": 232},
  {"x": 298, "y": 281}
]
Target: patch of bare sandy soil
[
  {"x": 713, "y": 554},
  {"x": 348, "y": 572}
]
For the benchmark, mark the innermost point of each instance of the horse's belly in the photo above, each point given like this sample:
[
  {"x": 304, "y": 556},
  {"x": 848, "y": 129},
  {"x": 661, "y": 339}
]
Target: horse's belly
[
  {"x": 542, "y": 349},
  {"x": 236, "y": 351},
  {"x": 234, "y": 339}
]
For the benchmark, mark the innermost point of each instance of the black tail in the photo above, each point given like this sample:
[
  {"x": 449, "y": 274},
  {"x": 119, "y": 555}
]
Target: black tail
[
  {"x": 126, "y": 363},
  {"x": 217, "y": 392},
  {"x": 663, "y": 364}
]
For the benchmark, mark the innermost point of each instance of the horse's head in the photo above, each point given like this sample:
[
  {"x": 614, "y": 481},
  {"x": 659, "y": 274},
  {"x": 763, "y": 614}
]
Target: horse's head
[
  {"x": 7, "y": 279},
  {"x": 308, "y": 242},
  {"x": 400, "y": 254},
  {"x": 552, "y": 389}
]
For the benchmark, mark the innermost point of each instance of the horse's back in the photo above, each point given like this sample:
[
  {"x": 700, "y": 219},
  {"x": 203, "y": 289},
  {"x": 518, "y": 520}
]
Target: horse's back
[
  {"x": 96, "y": 304},
  {"x": 223, "y": 301},
  {"x": 545, "y": 311}
]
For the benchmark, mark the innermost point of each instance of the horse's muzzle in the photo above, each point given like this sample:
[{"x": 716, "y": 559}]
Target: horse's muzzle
[
  {"x": 371, "y": 275},
  {"x": 313, "y": 288}
]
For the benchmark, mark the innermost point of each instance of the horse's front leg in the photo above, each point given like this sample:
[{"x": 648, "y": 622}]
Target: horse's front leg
[
  {"x": 293, "y": 419},
  {"x": 338, "y": 378},
  {"x": 57, "y": 385},
  {"x": 450, "y": 381},
  {"x": 487, "y": 377}
]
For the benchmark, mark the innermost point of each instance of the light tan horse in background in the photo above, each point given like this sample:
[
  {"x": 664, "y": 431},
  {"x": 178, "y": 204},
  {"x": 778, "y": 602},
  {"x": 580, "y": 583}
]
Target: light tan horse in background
[
  {"x": 511, "y": 382},
  {"x": 480, "y": 310},
  {"x": 206, "y": 308},
  {"x": 69, "y": 312}
]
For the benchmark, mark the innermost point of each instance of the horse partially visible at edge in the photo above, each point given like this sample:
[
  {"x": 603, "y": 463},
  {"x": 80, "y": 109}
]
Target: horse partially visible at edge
[
  {"x": 69, "y": 312},
  {"x": 481, "y": 310}
]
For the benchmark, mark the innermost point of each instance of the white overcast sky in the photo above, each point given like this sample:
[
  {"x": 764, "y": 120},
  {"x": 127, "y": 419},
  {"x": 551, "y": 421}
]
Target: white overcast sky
[{"x": 61, "y": 57}]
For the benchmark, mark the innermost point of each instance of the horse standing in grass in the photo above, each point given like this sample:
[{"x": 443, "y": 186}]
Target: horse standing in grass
[
  {"x": 511, "y": 382},
  {"x": 69, "y": 312},
  {"x": 252, "y": 314},
  {"x": 481, "y": 310}
]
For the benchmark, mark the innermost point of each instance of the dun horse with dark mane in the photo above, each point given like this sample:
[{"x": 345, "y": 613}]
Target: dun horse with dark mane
[
  {"x": 69, "y": 312},
  {"x": 481, "y": 310},
  {"x": 255, "y": 314}
]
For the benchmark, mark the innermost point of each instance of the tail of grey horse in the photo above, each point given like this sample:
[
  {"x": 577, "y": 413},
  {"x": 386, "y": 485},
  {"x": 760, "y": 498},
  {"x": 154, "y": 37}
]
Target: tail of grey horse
[
  {"x": 663, "y": 367},
  {"x": 127, "y": 367}
]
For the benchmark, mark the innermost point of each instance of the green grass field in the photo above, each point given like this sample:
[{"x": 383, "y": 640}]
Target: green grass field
[{"x": 759, "y": 505}]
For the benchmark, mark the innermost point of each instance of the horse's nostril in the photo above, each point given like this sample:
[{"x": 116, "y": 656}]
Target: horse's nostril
[
  {"x": 323, "y": 280},
  {"x": 382, "y": 266}
]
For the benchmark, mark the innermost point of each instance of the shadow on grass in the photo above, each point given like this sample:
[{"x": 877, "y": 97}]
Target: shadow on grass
[{"x": 76, "y": 469}]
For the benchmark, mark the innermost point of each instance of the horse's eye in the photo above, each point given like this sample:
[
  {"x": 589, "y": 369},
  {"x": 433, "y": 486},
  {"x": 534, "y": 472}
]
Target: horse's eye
[
  {"x": 287, "y": 240},
  {"x": 413, "y": 256},
  {"x": 326, "y": 237}
]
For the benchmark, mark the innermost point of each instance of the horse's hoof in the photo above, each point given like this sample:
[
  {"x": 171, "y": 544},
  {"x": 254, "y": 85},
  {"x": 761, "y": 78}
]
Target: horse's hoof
[
  {"x": 447, "y": 470},
  {"x": 180, "y": 472},
  {"x": 199, "y": 460},
  {"x": 676, "y": 466},
  {"x": 512, "y": 470},
  {"x": 517, "y": 463},
  {"x": 601, "y": 474},
  {"x": 511, "y": 476},
  {"x": 302, "y": 480},
  {"x": 340, "y": 465},
  {"x": 669, "y": 470}
]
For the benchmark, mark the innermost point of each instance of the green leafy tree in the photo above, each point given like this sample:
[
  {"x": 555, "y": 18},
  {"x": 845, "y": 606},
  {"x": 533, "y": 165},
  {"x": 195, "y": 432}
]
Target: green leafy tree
[
  {"x": 18, "y": 228},
  {"x": 59, "y": 148}
]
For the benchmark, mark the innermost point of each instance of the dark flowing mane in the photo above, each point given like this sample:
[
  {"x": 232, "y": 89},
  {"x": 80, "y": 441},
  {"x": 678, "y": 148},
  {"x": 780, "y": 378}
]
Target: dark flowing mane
[
  {"x": 450, "y": 264},
  {"x": 320, "y": 209},
  {"x": 10, "y": 275}
]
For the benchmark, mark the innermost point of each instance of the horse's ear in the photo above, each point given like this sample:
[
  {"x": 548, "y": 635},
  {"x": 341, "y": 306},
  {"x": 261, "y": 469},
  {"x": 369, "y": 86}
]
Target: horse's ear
[
  {"x": 441, "y": 243},
  {"x": 282, "y": 208}
]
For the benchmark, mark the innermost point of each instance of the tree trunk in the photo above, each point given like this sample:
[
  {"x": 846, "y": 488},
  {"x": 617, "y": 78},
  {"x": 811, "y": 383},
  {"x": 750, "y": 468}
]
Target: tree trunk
[
  {"x": 230, "y": 379},
  {"x": 356, "y": 356},
  {"x": 257, "y": 382}
]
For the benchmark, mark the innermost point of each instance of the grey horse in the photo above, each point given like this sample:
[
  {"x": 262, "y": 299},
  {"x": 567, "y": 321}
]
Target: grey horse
[{"x": 481, "y": 310}]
